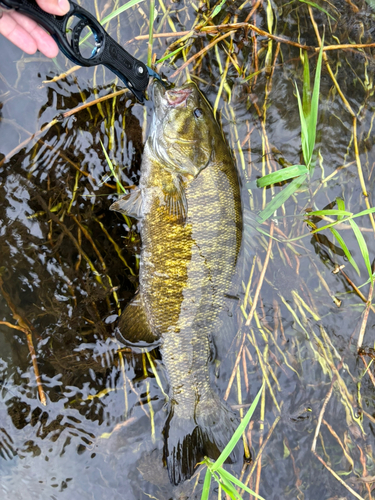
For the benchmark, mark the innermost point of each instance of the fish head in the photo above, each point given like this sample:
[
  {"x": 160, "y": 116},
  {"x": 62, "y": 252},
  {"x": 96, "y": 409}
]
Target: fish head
[{"x": 184, "y": 131}]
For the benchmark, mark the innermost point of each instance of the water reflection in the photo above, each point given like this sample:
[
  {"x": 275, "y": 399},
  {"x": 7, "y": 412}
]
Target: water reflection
[{"x": 68, "y": 266}]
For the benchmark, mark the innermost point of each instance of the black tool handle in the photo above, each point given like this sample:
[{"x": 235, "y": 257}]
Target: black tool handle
[{"x": 133, "y": 73}]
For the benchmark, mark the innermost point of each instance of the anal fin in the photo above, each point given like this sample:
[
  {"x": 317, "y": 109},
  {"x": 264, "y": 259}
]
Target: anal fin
[
  {"x": 130, "y": 204},
  {"x": 134, "y": 329}
]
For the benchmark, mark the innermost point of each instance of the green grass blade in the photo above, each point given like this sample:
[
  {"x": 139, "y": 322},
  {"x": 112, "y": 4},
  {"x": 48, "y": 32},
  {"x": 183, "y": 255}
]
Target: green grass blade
[
  {"x": 314, "y": 231},
  {"x": 342, "y": 244},
  {"x": 306, "y": 95},
  {"x": 313, "y": 119},
  {"x": 171, "y": 54},
  {"x": 282, "y": 175},
  {"x": 229, "y": 477},
  {"x": 340, "y": 205},
  {"x": 363, "y": 247},
  {"x": 206, "y": 485},
  {"x": 120, "y": 10},
  {"x": 150, "y": 33},
  {"x": 113, "y": 14},
  {"x": 281, "y": 197},
  {"x": 217, "y": 9},
  {"x": 367, "y": 282},
  {"x": 304, "y": 133},
  {"x": 237, "y": 434},
  {"x": 330, "y": 212},
  {"x": 112, "y": 169},
  {"x": 313, "y": 4},
  {"x": 229, "y": 489},
  {"x": 364, "y": 212}
]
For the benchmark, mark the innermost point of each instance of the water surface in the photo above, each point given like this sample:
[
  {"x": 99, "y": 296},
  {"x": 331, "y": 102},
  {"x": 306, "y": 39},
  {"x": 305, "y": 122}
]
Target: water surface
[{"x": 69, "y": 265}]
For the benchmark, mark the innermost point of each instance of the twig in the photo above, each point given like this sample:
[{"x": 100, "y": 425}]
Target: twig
[
  {"x": 26, "y": 141},
  {"x": 10, "y": 325},
  {"x": 357, "y": 290},
  {"x": 253, "y": 10},
  {"x": 27, "y": 330},
  {"x": 346, "y": 46},
  {"x": 346, "y": 103},
  {"x": 367, "y": 369},
  {"x": 321, "y": 414},
  {"x": 261, "y": 277},
  {"x": 251, "y": 313},
  {"x": 335, "y": 435},
  {"x": 92, "y": 103},
  {"x": 205, "y": 49},
  {"x": 338, "y": 477},
  {"x": 316, "y": 434},
  {"x": 261, "y": 450}
]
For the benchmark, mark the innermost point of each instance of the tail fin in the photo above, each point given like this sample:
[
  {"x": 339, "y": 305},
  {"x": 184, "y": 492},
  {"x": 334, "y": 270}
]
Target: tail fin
[{"x": 188, "y": 440}]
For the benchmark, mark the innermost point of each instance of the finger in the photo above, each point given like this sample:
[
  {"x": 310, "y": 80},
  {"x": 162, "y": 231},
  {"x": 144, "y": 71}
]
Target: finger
[
  {"x": 32, "y": 36},
  {"x": 56, "y": 7},
  {"x": 17, "y": 35}
]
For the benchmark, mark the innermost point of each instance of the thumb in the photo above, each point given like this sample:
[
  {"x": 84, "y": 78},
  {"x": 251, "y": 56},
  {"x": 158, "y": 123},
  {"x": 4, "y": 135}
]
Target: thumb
[{"x": 56, "y": 7}]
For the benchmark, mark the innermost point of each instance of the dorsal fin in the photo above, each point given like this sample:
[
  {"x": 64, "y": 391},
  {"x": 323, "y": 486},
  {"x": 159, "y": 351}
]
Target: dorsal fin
[{"x": 130, "y": 204}]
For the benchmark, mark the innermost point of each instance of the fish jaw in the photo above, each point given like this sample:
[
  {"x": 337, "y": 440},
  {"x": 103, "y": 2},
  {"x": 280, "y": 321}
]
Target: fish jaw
[
  {"x": 178, "y": 97},
  {"x": 165, "y": 99},
  {"x": 183, "y": 130}
]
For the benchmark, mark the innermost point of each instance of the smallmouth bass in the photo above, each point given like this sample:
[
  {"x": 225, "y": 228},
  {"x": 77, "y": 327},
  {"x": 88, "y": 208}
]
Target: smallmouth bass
[{"x": 189, "y": 205}]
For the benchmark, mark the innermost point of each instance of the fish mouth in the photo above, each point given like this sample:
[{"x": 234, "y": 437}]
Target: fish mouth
[
  {"x": 177, "y": 97},
  {"x": 165, "y": 99}
]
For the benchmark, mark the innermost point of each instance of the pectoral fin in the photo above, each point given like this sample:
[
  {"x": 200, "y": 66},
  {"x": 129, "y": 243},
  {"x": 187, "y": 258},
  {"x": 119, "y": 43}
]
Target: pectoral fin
[
  {"x": 130, "y": 204},
  {"x": 175, "y": 198},
  {"x": 134, "y": 329}
]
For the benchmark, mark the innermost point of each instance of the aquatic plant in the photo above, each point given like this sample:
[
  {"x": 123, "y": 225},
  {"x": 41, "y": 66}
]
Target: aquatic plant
[
  {"x": 306, "y": 322},
  {"x": 216, "y": 471},
  {"x": 308, "y": 112}
]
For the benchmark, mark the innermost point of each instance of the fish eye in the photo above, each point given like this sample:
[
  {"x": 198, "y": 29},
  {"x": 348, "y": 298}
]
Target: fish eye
[{"x": 198, "y": 112}]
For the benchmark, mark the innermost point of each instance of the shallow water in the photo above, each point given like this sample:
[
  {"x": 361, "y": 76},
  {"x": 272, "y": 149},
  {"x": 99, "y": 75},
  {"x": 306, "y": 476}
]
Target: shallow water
[{"x": 100, "y": 433}]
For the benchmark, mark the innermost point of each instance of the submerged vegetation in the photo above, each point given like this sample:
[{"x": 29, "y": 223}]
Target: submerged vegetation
[
  {"x": 302, "y": 319},
  {"x": 215, "y": 470}
]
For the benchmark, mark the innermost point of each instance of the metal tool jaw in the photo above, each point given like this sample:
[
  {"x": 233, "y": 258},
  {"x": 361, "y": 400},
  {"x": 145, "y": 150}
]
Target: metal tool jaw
[{"x": 134, "y": 73}]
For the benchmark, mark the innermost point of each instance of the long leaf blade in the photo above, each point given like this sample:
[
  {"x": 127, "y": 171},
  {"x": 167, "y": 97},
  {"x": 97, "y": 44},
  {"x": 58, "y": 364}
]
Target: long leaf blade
[
  {"x": 111, "y": 168},
  {"x": 345, "y": 249},
  {"x": 363, "y": 247},
  {"x": 330, "y": 212},
  {"x": 313, "y": 119},
  {"x": 206, "y": 485},
  {"x": 229, "y": 488},
  {"x": 238, "y": 433},
  {"x": 171, "y": 54},
  {"x": 304, "y": 132},
  {"x": 113, "y": 14},
  {"x": 229, "y": 477},
  {"x": 306, "y": 94},
  {"x": 120, "y": 10},
  {"x": 281, "y": 197},
  {"x": 217, "y": 9},
  {"x": 150, "y": 33},
  {"x": 282, "y": 175},
  {"x": 340, "y": 205},
  {"x": 364, "y": 212},
  {"x": 313, "y": 4}
]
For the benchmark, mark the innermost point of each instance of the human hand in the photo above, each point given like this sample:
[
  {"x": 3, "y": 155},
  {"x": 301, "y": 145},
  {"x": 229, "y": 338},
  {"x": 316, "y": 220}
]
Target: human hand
[{"x": 27, "y": 34}]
